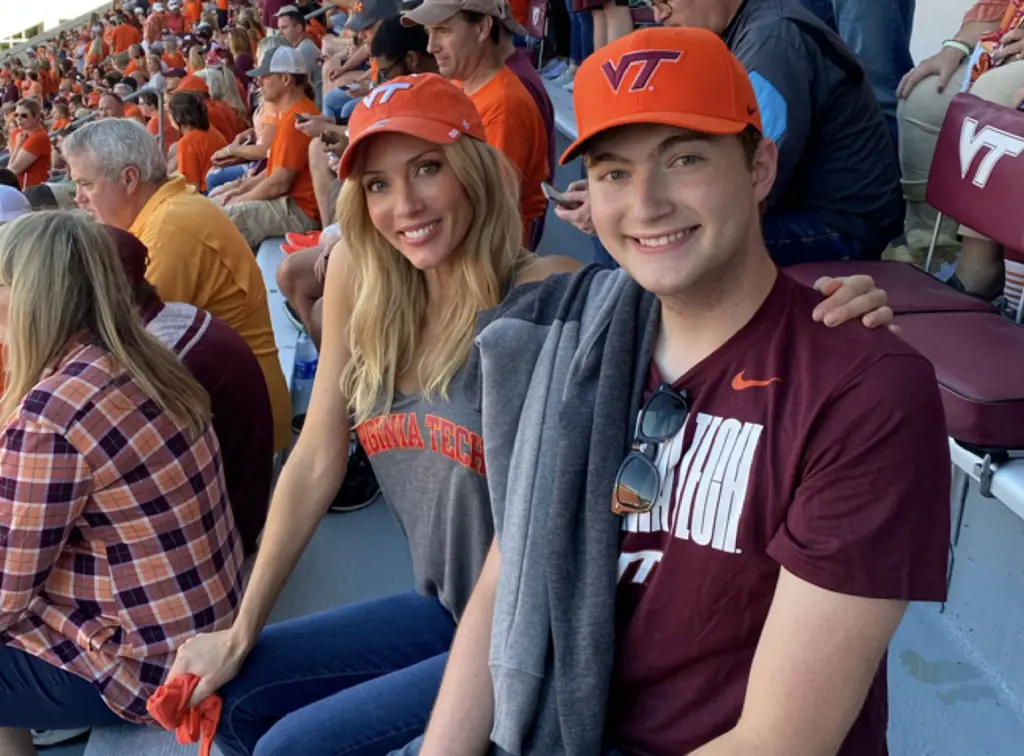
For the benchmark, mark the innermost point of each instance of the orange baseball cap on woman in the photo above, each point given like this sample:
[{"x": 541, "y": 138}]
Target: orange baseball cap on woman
[
  {"x": 426, "y": 106},
  {"x": 683, "y": 77}
]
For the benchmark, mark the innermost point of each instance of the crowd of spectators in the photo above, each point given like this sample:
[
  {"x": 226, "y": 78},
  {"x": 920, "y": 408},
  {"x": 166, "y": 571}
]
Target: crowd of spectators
[{"x": 187, "y": 134}]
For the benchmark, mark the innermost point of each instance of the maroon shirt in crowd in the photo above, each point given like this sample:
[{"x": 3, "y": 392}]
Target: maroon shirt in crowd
[
  {"x": 521, "y": 66},
  {"x": 223, "y": 364},
  {"x": 822, "y": 451},
  {"x": 268, "y": 14}
]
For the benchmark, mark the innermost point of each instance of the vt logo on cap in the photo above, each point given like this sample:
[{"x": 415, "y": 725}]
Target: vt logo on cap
[
  {"x": 651, "y": 59},
  {"x": 701, "y": 86},
  {"x": 384, "y": 92},
  {"x": 425, "y": 106}
]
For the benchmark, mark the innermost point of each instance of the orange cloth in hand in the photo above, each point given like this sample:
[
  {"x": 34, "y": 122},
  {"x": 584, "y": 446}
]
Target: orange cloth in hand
[{"x": 169, "y": 707}]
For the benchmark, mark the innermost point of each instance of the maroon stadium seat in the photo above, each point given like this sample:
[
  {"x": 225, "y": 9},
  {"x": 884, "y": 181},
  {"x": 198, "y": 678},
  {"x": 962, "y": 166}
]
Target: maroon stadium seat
[{"x": 977, "y": 353}]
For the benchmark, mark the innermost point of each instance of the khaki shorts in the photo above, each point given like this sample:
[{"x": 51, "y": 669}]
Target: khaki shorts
[{"x": 266, "y": 219}]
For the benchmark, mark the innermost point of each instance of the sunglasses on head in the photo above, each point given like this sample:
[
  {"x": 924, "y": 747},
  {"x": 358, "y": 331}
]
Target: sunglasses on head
[{"x": 638, "y": 481}]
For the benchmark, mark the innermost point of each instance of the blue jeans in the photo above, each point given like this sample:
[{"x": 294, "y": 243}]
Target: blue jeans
[
  {"x": 335, "y": 102},
  {"x": 220, "y": 176},
  {"x": 794, "y": 238},
  {"x": 359, "y": 680},
  {"x": 581, "y": 43},
  {"x": 878, "y": 33},
  {"x": 37, "y": 695}
]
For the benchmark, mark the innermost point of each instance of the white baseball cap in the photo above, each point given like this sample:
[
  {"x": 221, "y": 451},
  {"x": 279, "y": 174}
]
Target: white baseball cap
[
  {"x": 13, "y": 204},
  {"x": 158, "y": 7},
  {"x": 283, "y": 60}
]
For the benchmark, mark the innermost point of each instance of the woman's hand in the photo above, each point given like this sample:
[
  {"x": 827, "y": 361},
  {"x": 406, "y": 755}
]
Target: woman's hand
[
  {"x": 320, "y": 266},
  {"x": 215, "y": 658},
  {"x": 578, "y": 191},
  {"x": 942, "y": 64},
  {"x": 850, "y": 297}
]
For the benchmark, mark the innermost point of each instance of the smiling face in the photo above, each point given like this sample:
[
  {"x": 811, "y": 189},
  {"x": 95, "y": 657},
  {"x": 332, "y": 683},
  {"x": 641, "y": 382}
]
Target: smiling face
[
  {"x": 415, "y": 199},
  {"x": 673, "y": 207}
]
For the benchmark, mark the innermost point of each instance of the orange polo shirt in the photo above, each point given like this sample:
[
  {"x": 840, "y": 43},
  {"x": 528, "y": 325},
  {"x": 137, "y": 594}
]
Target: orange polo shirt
[
  {"x": 224, "y": 118},
  {"x": 290, "y": 150}
]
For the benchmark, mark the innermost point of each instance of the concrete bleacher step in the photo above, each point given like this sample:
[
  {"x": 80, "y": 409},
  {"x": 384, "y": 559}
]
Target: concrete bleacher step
[
  {"x": 143, "y": 741},
  {"x": 269, "y": 257}
]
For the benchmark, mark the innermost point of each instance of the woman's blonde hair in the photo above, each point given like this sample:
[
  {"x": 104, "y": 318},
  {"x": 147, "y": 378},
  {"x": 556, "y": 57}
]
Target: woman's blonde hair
[
  {"x": 239, "y": 41},
  {"x": 389, "y": 295},
  {"x": 66, "y": 281},
  {"x": 222, "y": 84},
  {"x": 195, "y": 58}
]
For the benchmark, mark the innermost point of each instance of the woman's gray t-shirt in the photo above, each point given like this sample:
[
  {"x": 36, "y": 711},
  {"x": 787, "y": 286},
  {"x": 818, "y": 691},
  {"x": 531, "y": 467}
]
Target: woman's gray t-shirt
[{"x": 428, "y": 457}]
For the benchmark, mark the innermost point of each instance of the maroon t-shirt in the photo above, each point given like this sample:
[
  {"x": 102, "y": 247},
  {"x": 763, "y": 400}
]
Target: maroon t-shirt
[
  {"x": 820, "y": 450},
  {"x": 222, "y": 363}
]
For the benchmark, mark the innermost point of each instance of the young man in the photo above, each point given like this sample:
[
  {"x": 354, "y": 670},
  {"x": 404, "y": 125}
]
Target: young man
[
  {"x": 837, "y": 193},
  {"x": 281, "y": 198},
  {"x": 746, "y": 564}
]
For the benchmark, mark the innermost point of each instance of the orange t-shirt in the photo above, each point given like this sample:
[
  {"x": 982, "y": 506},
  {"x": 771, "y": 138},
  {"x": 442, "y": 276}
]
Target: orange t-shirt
[
  {"x": 93, "y": 100},
  {"x": 61, "y": 123},
  {"x": 520, "y": 10},
  {"x": 175, "y": 24},
  {"x": 132, "y": 111},
  {"x": 124, "y": 36},
  {"x": 195, "y": 154},
  {"x": 37, "y": 143},
  {"x": 192, "y": 12},
  {"x": 35, "y": 89},
  {"x": 513, "y": 124},
  {"x": 224, "y": 118},
  {"x": 316, "y": 31},
  {"x": 131, "y": 68},
  {"x": 222, "y": 5},
  {"x": 290, "y": 150},
  {"x": 174, "y": 60},
  {"x": 171, "y": 135}
]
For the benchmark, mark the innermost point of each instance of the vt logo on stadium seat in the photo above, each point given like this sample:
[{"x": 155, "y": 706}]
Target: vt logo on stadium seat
[
  {"x": 650, "y": 60},
  {"x": 1000, "y": 143}
]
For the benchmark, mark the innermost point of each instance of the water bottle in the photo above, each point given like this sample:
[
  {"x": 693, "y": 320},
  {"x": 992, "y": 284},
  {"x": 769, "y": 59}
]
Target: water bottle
[{"x": 303, "y": 373}]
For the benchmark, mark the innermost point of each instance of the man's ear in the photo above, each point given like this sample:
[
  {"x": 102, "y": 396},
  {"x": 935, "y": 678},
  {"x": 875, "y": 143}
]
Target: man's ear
[
  {"x": 764, "y": 168},
  {"x": 484, "y": 29},
  {"x": 130, "y": 179}
]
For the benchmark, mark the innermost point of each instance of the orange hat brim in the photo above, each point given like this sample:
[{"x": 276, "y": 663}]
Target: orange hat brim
[
  {"x": 418, "y": 126},
  {"x": 692, "y": 121}
]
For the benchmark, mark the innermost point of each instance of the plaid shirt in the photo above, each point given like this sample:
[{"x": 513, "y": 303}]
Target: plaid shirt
[{"x": 116, "y": 539}]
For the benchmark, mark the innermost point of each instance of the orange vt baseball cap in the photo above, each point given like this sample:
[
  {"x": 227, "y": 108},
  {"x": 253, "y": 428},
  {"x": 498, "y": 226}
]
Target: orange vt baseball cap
[
  {"x": 426, "y": 106},
  {"x": 677, "y": 76}
]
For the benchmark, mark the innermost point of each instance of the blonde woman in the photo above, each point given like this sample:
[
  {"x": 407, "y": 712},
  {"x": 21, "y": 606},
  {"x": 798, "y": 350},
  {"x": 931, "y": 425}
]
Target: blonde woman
[
  {"x": 433, "y": 237},
  {"x": 195, "y": 63},
  {"x": 32, "y": 150},
  {"x": 118, "y": 536},
  {"x": 224, "y": 86}
]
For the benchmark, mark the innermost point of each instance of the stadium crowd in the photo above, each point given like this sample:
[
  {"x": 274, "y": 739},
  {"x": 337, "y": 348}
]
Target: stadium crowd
[{"x": 405, "y": 154}]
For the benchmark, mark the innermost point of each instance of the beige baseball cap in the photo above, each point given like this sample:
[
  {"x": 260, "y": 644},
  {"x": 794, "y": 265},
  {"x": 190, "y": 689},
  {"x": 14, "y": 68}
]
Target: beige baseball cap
[{"x": 431, "y": 12}]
